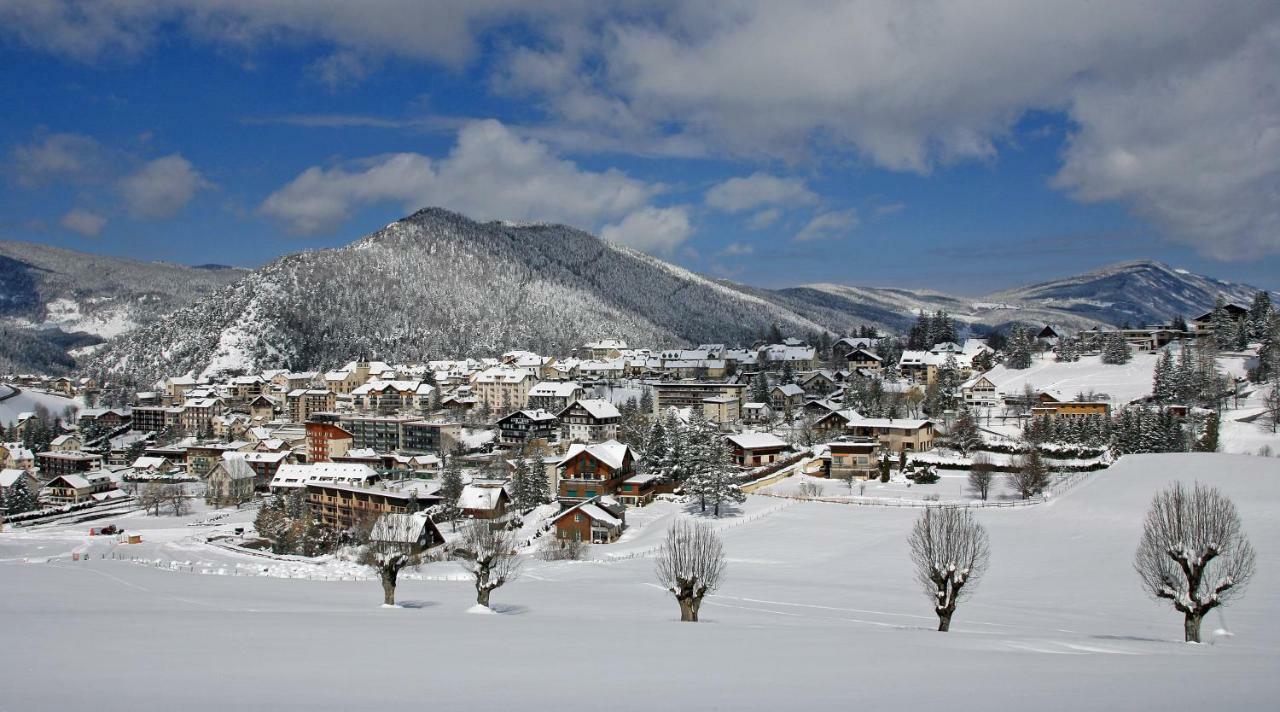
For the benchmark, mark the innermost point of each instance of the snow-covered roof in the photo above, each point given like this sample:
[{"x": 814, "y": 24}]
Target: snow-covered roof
[
  {"x": 237, "y": 468},
  {"x": 610, "y": 452},
  {"x": 149, "y": 462},
  {"x": 555, "y": 389},
  {"x": 751, "y": 440},
  {"x": 9, "y": 476},
  {"x": 607, "y": 344},
  {"x": 399, "y": 528},
  {"x": 482, "y": 497},
  {"x": 337, "y": 472},
  {"x": 788, "y": 389},
  {"x": 598, "y": 408}
]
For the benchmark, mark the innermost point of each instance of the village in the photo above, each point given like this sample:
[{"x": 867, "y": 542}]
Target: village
[{"x": 561, "y": 451}]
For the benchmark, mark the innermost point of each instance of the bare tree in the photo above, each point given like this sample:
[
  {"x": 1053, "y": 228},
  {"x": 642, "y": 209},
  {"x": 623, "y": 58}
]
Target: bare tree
[
  {"x": 981, "y": 473},
  {"x": 690, "y": 564},
  {"x": 391, "y": 545},
  {"x": 1193, "y": 552},
  {"x": 490, "y": 556},
  {"x": 176, "y": 497},
  {"x": 809, "y": 489},
  {"x": 950, "y": 551},
  {"x": 152, "y": 497},
  {"x": 1031, "y": 475}
]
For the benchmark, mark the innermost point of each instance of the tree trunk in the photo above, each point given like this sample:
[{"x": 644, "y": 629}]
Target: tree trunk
[
  {"x": 482, "y": 596},
  {"x": 1191, "y": 626},
  {"x": 688, "y": 609},
  {"x": 944, "y": 622},
  {"x": 388, "y": 588}
]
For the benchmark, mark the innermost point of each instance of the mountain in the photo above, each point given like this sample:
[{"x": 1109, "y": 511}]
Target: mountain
[
  {"x": 1138, "y": 293},
  {"x": 437, "y": 284},
  {"x": 53, "y": 301}
]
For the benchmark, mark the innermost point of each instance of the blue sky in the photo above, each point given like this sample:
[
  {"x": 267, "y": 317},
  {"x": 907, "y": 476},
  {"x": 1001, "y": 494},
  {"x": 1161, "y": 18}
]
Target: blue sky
[{"x": 770, "y": 144}]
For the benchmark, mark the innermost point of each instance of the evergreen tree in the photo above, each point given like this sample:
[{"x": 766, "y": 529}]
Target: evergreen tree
[
  {"x": 1019, "y": 348},
  {"x": 965, "y": 436},
  {"x": 19, "y": 498},
  {"x": 450, "y": 490},
  {"x": 718, "y": 486},
  {"x": 920, "y": 333},
  {"x": 1162, "y": 386},
  {"x": 760, "y": 388},
  {"x": 1115, "y": 349},
  {"x": 1260, "y": 312},
  {"x": 1208, "y": 442}
]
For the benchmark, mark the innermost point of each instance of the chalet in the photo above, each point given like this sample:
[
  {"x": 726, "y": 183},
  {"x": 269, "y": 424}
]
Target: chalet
[
  {"x": 587, "y": 471},
  {"x": 300, "y": 380},
  {"x": 894, "y": 434},
  {"x": 379, "y": 396},
  {"x": 202, "y": 456},
  {"x": 230, "y": 482},
  {"x": 151, "y": 465},
  {"x": 797, "y": 356},
  {"x": 524, "y": 426},
  {"x": 819, "y": 383},
  {"x": 67, "y": 462},
  {"x": 757, "y": 413},
  {"x": 787, "y": 396},
  {"x": 752, "y": 449},
  {"x": 1071, "y": 409},
  {"x": 1051, "y": 334},
  {"x": 65, "y": 443},
  {"x": 863, "y": 358},
  {"x": 819, "y": 407},
  {"x": 105, "y": 418},
  {"x": 484, "y": 501},
  {"x": 597, "y": 520},
  {"x": 842, "y": 347},
  {"x": 638, "y": 490},
  {"x": 413, "y": 533},
  {"x": 14, "y": 455},
  {"x": 76, "y": 488},
  {"x": 980, "y": 392},
  {"x": 553, "y": 396},
  {"x": 858, "y": 457},
  {"x": 1203, "y": 324},
  {"x": 589, "y": 421}
]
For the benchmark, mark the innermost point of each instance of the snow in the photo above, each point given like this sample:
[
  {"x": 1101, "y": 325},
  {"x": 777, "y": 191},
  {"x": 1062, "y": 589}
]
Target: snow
[
  {"x": 1119, "y": 383},
  {"x": 818, "y": 597},
  {"x": 27, "y": 400}
]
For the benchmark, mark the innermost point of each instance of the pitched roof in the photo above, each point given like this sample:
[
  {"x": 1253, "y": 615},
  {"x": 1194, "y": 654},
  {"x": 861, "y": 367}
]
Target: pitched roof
[
  {"x": 610, "y": 452},
  {"x": 480, "y": 497},
  {"x": 750, "y": 440},
  {"x": 596, "y": 408}
]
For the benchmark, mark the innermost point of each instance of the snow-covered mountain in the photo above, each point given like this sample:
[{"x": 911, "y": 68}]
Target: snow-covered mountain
[
  {"x": 1137, "y": 293},
  {"x": 439, "y": 284},
  {"x": 53, "y": 301}
]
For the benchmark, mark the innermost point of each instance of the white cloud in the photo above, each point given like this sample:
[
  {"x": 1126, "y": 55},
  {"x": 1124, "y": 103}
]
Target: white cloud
[
  {"x": 490, "y": 174},
  {"x": 828, "y": 225},
  {"x": 737, "y": 249},
  {"x": 763, "y": 219},
  {"x": 651, "y": 229},
  {"x": 740, "y": 194},
  {"x": 84, "y": 222},
  {"x": 162, "y": 187},
  {"x": 340, "y": 70},
  {"x": 50, "y": 157}
]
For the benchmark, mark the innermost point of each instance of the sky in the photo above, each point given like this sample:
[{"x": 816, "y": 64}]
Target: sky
[{"x": 963, "y": 146}]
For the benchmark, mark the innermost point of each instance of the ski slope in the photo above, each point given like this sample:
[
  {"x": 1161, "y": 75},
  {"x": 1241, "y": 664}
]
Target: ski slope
[{"x": 819, "y": 608}]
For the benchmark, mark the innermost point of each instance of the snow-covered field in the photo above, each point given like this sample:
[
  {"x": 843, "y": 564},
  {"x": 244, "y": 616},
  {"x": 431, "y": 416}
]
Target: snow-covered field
[
  {"x": 27, "y": 401},
  {"x": 1119, "y": 384},
  {"x": 819, "y": 609}
]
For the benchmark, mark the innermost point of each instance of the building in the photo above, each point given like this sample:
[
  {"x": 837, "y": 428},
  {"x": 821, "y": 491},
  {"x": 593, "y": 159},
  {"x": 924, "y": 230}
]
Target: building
[
  {"x": 326, "y": 439},
  {"x": 980, "y": 392},
  {"x": 553, "y": 396},
  {"x": 76, "y": 488},
  {"x": 757, "y": 413},
  {"x": 155, "y": 418},
  {"x": 484, "y": 501},
  {"x": 855, "y": 457},
  {"x": 300, "y": 403},
  {"x": 412, "y": 533},
  {"x": 198, "y": 413},
  {"x": 596, "y": 521},
  {"x": 12, "y": 476},
  {"x": 65, "y": 443},
  {"x": 787, "y": 396},
  {"x": 603, "y": 349},
  {"x": 589, "y": 471},
  {"x": 382, "y": 433},
  {"x": 343, "y": 506},
  {"x": 502, "y": 389},
  {"x": 638, "y": 490},
  {"x": 105, "y": 418},
  {"x": 525, "y": 426},
  {"x": 690, "y": 394},
  {"x": 1071, "y": 409},
  {"x": 55, "y": 464},
  {"x": 423, "y": 437},
  {"x": 894, "y": 434},
  {"x": 202, "y": 456},
  {"x": 722, "y": 409},
  {"x": 752, "y": 449},
  {"x": 230, "y": 482},
  {"x": 290, "y": 477},
  {"x": 589, "y": 421}
]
